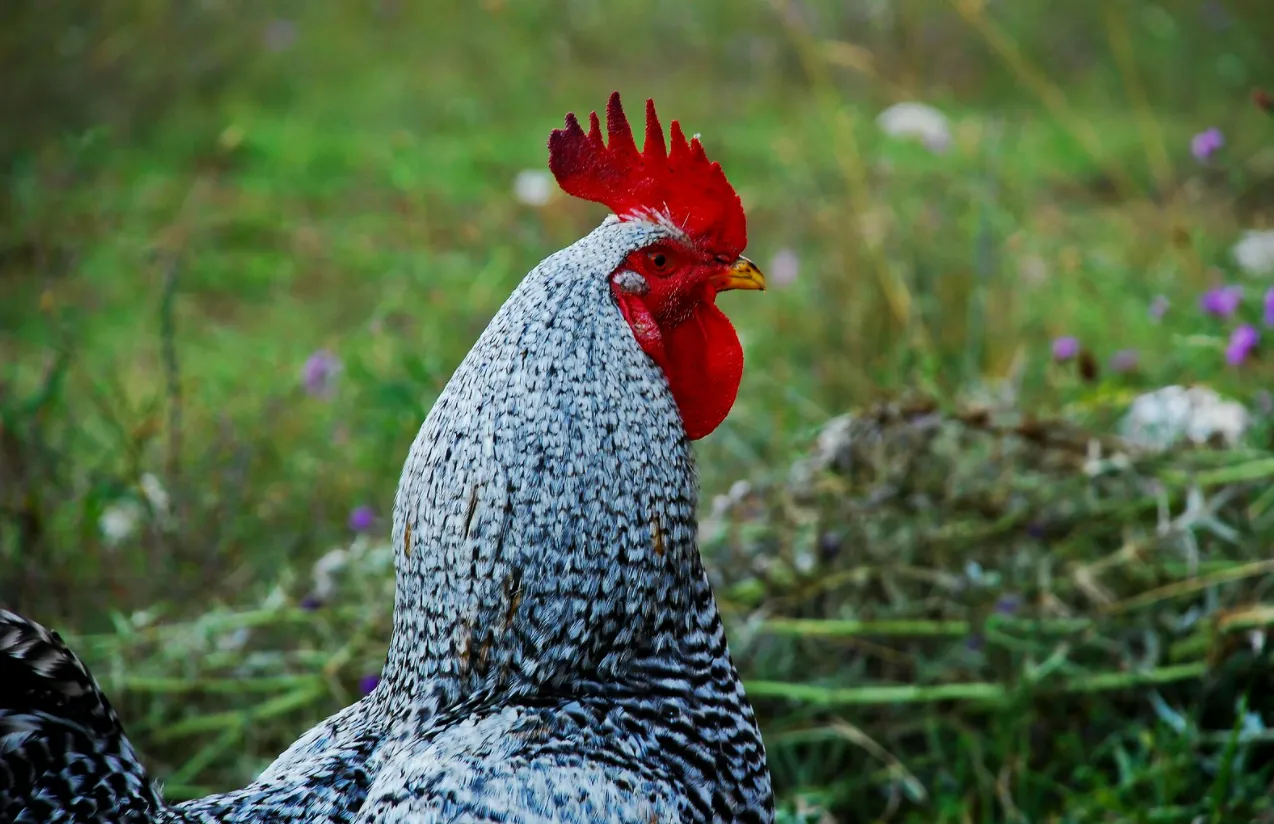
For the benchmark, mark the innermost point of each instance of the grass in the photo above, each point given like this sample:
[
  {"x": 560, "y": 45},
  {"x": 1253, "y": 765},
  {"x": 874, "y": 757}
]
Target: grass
[
  {"x": 176, "y": 249},
  {"x": 988, "y": 612}
]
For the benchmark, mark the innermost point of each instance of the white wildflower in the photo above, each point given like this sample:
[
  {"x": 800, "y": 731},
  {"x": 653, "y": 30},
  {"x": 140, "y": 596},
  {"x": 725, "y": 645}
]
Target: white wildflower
[
  {"x": 277, "y": 598},
  {"x": 801, "y": 477},
  {"x": 1096, "y": 464},
  {"x": 832, "y": 449},
  {"x": 533, "y": 187},
  {"x": 834, "y": 441},
  {"x": 323, "y": 571},
  {"x": 722, "y": 505},
  {"x": 1166, "y": 416},
  {"x": 1254, "y": 253},
  {"x": 784, "y": 267},
  {"x": 119, "y": 522},
  {"x": 234, "y": 640},
  {"x": 1253, "y": 726},
  {"x": 918, "y": 120},
  {"x": 142, "y": 618},
  {"x": 122, "y": 519},
  {"x": 380, "y": 558},
  {"x": 157, "y": 497},
  {"x": 1033, "y": 270},
  {"x": 155, "y": 493},
  {"x": 710, "y": 529}
]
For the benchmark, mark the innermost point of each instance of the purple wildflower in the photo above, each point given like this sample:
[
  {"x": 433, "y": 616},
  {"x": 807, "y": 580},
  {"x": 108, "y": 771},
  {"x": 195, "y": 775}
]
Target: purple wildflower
[
  {"x": 1222, "y": 301},
  {"x": 361, "y": 518},
  {"x": 1242, "y": 342},
  {"x": 368, "y": 683},
  {"x": 311, "y": 602},
  {"x": 829, "y": 546},
  {"x": 320, "y": 372},
  {"x": 1065, "y": 348},
  {"x": 1008, "y": 604},
  {"x": 1125, "y": 360},
  {"x": 1269, "y": 308},
  {"x": 1159, "y": 307},
  {"x": 1206, "y": 143}
]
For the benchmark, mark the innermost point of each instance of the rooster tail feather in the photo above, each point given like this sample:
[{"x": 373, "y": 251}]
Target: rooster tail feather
[{"x": 63, "y": 751}]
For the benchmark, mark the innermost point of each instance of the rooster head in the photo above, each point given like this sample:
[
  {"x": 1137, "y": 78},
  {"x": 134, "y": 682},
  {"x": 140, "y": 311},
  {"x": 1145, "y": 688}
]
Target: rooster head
[{"x": 667, "y": 289}]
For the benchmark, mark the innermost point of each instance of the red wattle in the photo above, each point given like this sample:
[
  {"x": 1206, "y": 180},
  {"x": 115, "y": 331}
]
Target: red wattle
[{"x": 704, "y": 367}]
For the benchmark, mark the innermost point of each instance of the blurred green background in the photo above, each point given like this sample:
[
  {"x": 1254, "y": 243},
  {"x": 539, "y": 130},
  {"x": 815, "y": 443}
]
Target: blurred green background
[{"x": 244, "y": 244}]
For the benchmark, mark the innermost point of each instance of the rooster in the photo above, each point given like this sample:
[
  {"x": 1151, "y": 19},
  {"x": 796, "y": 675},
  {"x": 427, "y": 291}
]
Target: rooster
[{"x": 557, "y": 654}]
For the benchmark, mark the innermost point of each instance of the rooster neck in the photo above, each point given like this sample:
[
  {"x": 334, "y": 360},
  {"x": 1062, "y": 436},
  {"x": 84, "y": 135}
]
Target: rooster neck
[{"x": 545, "y": 520}]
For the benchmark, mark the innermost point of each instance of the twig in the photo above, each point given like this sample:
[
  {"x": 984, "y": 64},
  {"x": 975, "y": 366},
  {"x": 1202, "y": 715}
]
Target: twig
[
  {"x": 813, "y": 628},
  {"x": 974, "y": 691},
  {"x": 281, "y": 705},
  {"x": 172, "y": 373}
]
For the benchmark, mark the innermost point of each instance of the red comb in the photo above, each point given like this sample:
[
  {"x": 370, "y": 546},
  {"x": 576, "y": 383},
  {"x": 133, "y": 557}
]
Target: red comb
[{"x": 680, "y": 184}]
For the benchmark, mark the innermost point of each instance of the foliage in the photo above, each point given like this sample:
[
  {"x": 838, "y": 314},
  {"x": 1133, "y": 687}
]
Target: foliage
[
  {"x": 939, "y": 616},
  {"x": 1007, "y": 618}
]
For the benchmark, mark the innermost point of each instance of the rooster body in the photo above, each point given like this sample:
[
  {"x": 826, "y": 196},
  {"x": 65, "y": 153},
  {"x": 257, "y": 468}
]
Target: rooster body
[
  {"x": 585, "y": 653},
  {"x": 557, "y": 654}
]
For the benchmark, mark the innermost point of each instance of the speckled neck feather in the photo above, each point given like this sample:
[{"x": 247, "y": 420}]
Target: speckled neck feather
[
  {"x": 546, "y": 511},
  {"x": 557, "y": 654}
]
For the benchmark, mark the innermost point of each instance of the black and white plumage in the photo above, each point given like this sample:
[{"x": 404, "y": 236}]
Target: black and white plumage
[
  {"x": 63, "y": 753},
  {"x": 557, "y": 654}
]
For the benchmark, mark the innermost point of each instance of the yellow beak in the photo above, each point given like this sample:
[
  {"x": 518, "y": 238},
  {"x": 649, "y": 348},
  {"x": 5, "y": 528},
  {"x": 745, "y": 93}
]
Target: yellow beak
[{"x": 742, "y": 274}]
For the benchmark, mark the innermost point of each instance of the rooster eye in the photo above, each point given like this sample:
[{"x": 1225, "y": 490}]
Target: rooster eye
[{"x": 659, "y": 260}]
